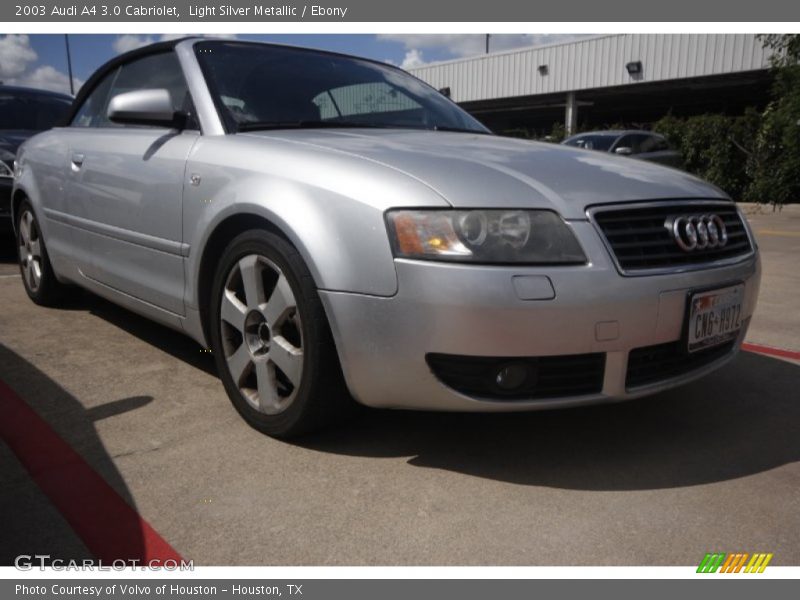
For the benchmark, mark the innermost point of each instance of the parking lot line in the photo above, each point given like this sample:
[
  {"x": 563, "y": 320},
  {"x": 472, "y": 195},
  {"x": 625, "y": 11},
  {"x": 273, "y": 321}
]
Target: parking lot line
[
  {"x": 108, "y": 526},
  {"x": 778, "y": 233},
  {"x": 770, "y": 351}
]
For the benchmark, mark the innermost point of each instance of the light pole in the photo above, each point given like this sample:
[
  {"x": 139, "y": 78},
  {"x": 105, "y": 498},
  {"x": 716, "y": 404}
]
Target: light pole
[{"x": 69, "y": 66}]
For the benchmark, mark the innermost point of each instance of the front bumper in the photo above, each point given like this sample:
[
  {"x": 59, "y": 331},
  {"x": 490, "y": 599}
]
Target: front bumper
[{"x": 477, "y": 311}]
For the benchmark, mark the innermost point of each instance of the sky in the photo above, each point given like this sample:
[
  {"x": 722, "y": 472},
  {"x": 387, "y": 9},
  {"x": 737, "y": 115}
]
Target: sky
[{"x": 40, "y": 60}]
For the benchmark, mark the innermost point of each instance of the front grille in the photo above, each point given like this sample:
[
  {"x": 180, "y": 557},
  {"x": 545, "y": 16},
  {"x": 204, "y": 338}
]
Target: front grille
[
  {"x": 547, "y": 376},
  {"x": 639, "y": 239},
  {"x": 652, "y": 364}
]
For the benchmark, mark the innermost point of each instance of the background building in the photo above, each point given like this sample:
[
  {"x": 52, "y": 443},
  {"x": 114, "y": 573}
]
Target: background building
[{"x": 631, "y": 79}]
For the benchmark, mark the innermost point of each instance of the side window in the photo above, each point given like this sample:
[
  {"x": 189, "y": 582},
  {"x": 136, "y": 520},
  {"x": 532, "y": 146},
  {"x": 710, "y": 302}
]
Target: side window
[
  {"x": 655, "y": 143},
  {"x": 93, "y": 110},
  {"x": 633, "y": 141},
  {"x": 154, "y": 71},
  {"x": 577, "y": 143},
  {"x": 642, "y": 143},
  {"x": 625, "y": 141}
]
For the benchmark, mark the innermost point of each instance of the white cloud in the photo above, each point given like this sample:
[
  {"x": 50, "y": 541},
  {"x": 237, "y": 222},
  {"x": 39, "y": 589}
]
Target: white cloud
[
  {"x": 462, "y": 45},
  {"x": 454, "y": 44},
  {"x": 413, "y": 58},
  {"x": 47, "y": 77},
  {"x": 16, "y": 55},
  {"x": 128, "y": 41},
  {"x": 498, "y": 43},
  {"x": 17, "y": 58}
]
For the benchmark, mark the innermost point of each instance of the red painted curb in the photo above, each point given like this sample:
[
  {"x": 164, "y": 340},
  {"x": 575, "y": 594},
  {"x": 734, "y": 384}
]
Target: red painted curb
[
  {"x": 769, "y": 350},
  {"x": 108, "y": 526}
]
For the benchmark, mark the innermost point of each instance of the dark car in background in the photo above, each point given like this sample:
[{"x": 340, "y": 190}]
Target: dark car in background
[
  {"x": 644, "y": 145},
  {"x": 23, "y": 113}
]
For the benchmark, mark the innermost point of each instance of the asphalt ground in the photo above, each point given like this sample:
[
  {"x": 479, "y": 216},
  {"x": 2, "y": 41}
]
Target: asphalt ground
[{"x": 712, "y": 466}]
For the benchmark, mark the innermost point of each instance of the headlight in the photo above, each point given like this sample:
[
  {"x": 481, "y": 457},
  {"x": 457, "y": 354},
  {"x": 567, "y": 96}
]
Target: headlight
[{"x": 484, "y": 236}]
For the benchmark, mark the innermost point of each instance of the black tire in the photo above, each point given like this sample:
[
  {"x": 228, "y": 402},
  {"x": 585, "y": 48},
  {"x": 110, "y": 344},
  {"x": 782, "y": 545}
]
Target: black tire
[
  {"x": 321, "y": 397},
  {"x": 47, "y": 291}
]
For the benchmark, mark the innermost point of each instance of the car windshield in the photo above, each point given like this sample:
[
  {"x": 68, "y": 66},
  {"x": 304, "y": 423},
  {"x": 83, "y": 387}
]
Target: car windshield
[
  {"x": 593, "y": 142},
  {"x": 259, "y": 86},
  {"x": 31, "y": 111}
]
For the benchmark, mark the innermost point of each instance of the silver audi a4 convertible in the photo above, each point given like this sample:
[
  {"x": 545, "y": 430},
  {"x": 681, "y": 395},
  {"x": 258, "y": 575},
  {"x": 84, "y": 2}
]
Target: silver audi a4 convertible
[{"x": 334, "y": 229}]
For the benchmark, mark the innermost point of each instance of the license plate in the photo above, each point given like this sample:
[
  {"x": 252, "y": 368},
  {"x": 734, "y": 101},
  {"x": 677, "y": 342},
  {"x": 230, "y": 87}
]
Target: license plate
[{"x": 715, "y": 317}]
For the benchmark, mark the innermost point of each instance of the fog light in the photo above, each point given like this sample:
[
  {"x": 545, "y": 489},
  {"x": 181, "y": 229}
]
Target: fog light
[{"x": 512, "y": 376}]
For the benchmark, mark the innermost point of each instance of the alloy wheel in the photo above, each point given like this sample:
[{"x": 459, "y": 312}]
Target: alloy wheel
[
  {"x": 30, "y": 251},
  {"x": 261, "y": 334}
]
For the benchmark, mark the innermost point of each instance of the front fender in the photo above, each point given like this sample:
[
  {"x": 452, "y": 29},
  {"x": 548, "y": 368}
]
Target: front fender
[
  {"x": 24, "y": 184},
  {"x": 328, "y": 205}
]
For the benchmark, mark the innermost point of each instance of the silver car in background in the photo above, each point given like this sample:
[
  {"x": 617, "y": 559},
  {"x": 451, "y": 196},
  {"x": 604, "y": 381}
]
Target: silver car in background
[
  {"x": 335, "y": 229},
  {"x": 644, "y": 145}
]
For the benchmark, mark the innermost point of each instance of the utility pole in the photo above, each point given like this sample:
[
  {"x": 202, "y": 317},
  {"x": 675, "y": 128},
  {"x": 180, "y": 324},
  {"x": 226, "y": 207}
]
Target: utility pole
[{"x": 69, "y": 65}]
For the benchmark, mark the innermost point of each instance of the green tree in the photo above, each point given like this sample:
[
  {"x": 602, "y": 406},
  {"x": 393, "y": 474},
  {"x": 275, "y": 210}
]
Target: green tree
[
  {"x": 755, "y": 156},
  {"x": 774, "y": 163},
  {"x": 785, "y": 48},
  {"x": 714, "y": 147}
]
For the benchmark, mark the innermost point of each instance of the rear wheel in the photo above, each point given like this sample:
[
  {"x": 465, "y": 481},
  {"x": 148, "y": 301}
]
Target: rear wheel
[
  {"x": 271, "y": 340},
  {"x": 38, "y": 278}
]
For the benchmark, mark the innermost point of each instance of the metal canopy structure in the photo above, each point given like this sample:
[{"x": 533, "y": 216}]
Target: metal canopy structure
[{"x": 608, "y": 79}]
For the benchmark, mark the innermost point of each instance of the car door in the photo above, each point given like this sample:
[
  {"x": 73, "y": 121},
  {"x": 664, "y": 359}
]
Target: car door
[
  {"x": 68, "y": 209},
  {"x": 126, "y": 189}
]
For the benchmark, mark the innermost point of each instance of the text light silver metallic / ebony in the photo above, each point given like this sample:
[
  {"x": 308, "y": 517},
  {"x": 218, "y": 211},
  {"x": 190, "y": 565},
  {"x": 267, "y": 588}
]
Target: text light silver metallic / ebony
[{"x": 335, "y": 230}]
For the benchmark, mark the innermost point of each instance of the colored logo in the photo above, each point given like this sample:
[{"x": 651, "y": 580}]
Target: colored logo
[{"x": 736, "y": 562}]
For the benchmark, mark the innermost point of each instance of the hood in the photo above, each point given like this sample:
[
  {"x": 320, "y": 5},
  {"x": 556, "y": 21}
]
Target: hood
[{"x": 485, "y": 171}]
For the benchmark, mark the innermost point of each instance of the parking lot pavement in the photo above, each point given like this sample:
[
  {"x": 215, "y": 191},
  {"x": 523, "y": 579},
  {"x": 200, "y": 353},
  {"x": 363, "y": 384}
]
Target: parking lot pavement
[
  {"x": 777, "y": 320},
  {"x": 8, "y": 266},
  {"x": 709, "y": 467}
]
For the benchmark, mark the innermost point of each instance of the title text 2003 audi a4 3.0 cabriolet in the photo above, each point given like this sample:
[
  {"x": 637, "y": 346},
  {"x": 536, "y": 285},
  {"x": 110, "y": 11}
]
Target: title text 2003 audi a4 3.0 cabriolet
[{"x": 335, "y": 229}]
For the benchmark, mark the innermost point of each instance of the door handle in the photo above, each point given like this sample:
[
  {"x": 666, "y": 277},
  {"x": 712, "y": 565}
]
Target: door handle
[{"x": 77, "y": 159}]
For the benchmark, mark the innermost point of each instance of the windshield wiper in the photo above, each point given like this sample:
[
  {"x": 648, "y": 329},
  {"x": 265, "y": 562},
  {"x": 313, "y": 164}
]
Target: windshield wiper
[{"x": 311, "y": 124}]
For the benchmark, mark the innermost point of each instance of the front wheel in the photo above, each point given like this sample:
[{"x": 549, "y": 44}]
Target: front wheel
[
  {"x": 270, "y": 338},
  {"x": 38, "y": 278}
]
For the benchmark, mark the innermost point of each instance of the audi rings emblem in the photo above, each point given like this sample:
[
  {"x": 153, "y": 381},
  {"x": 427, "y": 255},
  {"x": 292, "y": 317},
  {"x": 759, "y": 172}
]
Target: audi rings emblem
[{"x": 697, "y": 232}]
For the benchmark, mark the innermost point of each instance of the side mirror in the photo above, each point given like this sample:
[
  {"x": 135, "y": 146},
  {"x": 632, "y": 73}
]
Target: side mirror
[
  {"x": 624, "y": 150},
  {"x": 445, "y": 91},
  {"x": 145, "y": 107}
]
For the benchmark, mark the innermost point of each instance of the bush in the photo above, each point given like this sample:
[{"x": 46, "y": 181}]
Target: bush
[
  {"x": 516, "y": 132},
  {"x": 714, "y": 147},
  {"x": 774, "y": 165},
  {"x": 558, "y": 133},
  {"x": 756, "y": 156}
]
